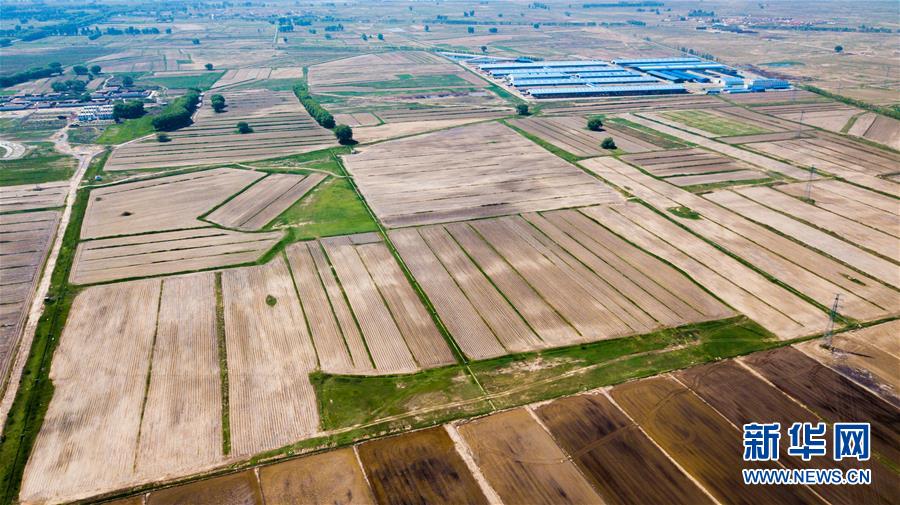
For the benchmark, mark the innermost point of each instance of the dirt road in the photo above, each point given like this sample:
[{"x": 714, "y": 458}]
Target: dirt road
[{"x": 84, "y": 154}]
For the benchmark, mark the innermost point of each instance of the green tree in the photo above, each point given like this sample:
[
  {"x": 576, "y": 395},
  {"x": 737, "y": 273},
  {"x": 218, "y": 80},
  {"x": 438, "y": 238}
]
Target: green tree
[
  {"x": 595, "y": 124},
  {"x": 80, "y": 70},
  {"x": 427, "y": 28},
  {"x": 196, "y": 42},
  {"x": 95, "y": 69},
  {"x": 483, "y": 49},
  {"x": 380, "y": 36},
  {"x": 839, "y": 49},
  {"x": 344, "y": 134},
  {"x": 364, "y": 37},
  {"x": 218, "y": 103},
  {"x": 522, "y": 109},
  {"x": 208, "y": 66},
  {"x": 244, "y": 127},
  {"x": 162, "y": 137},
  {"x": 128, "y": 110},
  {"x": 608, "y": 143},
  {"x": 127, "y": 81},
  {"x": 470, "y": 29},
  {"x": 492, "y": 29}
]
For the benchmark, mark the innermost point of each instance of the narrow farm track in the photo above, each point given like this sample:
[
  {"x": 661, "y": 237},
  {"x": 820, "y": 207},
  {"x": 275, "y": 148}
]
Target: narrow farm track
[{"x": 84, "y": 154}]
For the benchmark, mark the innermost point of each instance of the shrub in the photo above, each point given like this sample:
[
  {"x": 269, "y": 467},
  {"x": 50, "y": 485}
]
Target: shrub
[
  {"x": 522, "y": 109},
  {"x": 608, "y": 143},
  {"x": 595, "y": 124},
  {"x": 162, "y": 137},
  {"x": 322, "y": 116},
  {"x": 244, "y": 127},
  {"x": 344, "y": 134}
]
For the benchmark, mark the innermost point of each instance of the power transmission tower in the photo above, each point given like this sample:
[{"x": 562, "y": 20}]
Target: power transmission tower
[{"x": 829, "y": 332}]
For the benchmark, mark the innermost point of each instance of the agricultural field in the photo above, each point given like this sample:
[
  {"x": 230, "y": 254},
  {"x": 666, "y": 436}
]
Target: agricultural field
[
  {"x": 280, "y": 125},
  {"x": 262, "y": 202},
  {"x": 423, "y": 465},
  {"x": 815, "y": 274},
  {"x": 133, "y": 207},
  {"x": 590, "y": 448},
  {"x": 570, "y": 134},
  {"x": 32, "y": 196},
  {"x": 867, "y": 356},
  {"x": 477, "y": 179},
  {"x": 694, "y": 167},
  {"x": 853, "y": 161},
  {"x": 469, "y": 301},
  {"x": 510, "y": 285},
  {"x": 711, "y": 123},
  {"x": 25, "y": 239},
  {"x": 521, "y": 462}
]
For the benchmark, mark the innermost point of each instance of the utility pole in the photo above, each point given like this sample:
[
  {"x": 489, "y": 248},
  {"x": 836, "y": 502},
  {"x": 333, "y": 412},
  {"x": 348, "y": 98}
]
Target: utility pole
[
  {"x": 829, "y": 332},
  {"x": 812, "y": 173}
]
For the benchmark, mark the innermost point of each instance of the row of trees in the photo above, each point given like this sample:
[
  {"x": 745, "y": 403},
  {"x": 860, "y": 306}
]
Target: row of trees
[
  {"x": 178, "y": 113},
  {"x": 31, "y": 74},
  {"x": 322, "y": 116}
]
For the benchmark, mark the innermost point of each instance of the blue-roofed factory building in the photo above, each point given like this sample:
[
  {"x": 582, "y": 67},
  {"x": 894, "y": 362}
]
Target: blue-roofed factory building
[{"x": 638, "y": 76}]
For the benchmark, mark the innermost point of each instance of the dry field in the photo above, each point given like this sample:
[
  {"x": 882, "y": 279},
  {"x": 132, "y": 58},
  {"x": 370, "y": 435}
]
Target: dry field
[
  {"x": 398, "y": 331},
  {"x": 815, "y": 275},
  {"x": 742, "y": 397},
  {"x": 441, "y": 113},
  {"x": 839, "y": 156},
  {"x": 849, "y": 253},
  {"x": 690, "y": 167},
  {"x": 357, "y": 119},
  {"x": 830, "y": 116},
  {"x": 332, "y": 477},
  {"x": 134, "y": 207},
  {"x": 700, "y": 440},
  {"x": 881, "y": 129},
  {"x": 833, "y": 397},
  {"x": 868, "y": 356},
  {"x": 615, "y": 454},
  {"x": 262, "y": 202},
  {"x": 270, "y": 355},
  {"x": 25, "y": 239},
  {"x": 237, "y": 76},
  {"x": 592, "y": 448},
  {"x": 868, "y": 236},
  {"x": 181, "y": 428},
  {"x": 355, "y": 72},
  {"x": 33, "y": 196},
  {"x": 763, "y": 162},
  {"x": 89, "y": 439},
  {"x": 419, "y": 467},
  {"x": 570, "y": 133},
  {"x": 630, "y": 104},
  {"x": 521, "y": 461},
  {"x": 469, "y": 172},
  {"x": 524, "y": 283},
  {"x": 776, "y": 97},
  {"x": 281, "y": 126},
  {"x": 165, "y": 253},
  {"x": 402, "y": 121},
  {"x": 235, "y": 489}
]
